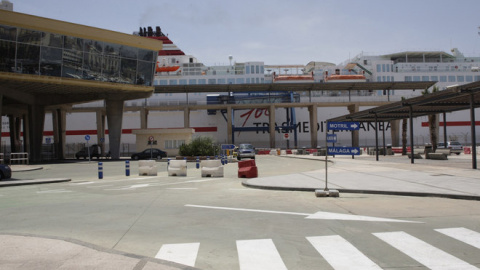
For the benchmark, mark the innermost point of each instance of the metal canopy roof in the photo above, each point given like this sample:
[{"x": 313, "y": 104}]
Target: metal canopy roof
[
  {"x": 340, "y": 86},
  {"x": 453, "y": 99}
]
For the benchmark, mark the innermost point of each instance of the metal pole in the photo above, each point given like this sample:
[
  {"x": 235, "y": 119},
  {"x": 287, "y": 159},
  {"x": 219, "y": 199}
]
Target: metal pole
[
  {"x": 411, "y": 134},
  {"x": 376, "y": 138},
  {"x": 445, "y": 129},
  {"x": 384, "y": 147},
  {"x": 326, "y": 160},
  {"x": 472, "y": 126}
]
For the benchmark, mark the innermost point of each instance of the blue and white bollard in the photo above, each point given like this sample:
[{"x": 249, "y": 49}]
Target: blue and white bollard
[
  {"x": 216, "y": 156},
  {"x": 100, "y": 170},
  {"x": 185, "y": 158},
  {"x": 222, "y": 158},
  {"x": 127, "y": 168},
  {"x": 168, "y": 162},
  {"x": 198, "y": 163},
  {"x": 226, "y": 159}
]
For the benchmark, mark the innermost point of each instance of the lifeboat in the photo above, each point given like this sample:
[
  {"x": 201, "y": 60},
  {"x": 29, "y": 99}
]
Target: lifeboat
[
  {"x": 167, "y": 68},
  {"x": 346, "y": 77},
  {"x": 293, "y": 78}
]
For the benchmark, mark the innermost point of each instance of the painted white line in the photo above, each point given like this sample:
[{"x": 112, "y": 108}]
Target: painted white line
[
  {"x": 462, "y": 234},
  {"x": 340, "y": 254},
  {"x": 199, "y": 181},
  {"x": 53, "y": 191},
  {"x": 423, "y": 252},
  {"x": 139, "y": 186},
  {"x": 185, "y": 254},
  {"x": 259, "y": 254},
  {"x": 83, "y": 183},
  {"x": 318, "y": 215},
  {"x": 336, "y": 216},
  {"x": 182, "y": 188},
  {"x": 246, "y": 210}
]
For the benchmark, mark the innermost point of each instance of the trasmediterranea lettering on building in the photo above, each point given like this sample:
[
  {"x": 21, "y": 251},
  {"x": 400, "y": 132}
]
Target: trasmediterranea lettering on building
[{"x": 304, "y": 127}]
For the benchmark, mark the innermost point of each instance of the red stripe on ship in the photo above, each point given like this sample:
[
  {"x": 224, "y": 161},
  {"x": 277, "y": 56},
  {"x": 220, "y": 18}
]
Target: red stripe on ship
[
  {"x": 454, "y": 124},
  {"x": 94, "y": 132}
]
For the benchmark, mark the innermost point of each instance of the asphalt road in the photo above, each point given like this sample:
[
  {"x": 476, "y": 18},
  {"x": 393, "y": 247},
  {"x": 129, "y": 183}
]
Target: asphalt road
[{"x": 227, "y": 226}]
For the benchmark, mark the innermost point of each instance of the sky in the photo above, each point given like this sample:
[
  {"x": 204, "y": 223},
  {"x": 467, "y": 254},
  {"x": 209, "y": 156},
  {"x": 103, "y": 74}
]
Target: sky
[{"x": 282, "y": 32}]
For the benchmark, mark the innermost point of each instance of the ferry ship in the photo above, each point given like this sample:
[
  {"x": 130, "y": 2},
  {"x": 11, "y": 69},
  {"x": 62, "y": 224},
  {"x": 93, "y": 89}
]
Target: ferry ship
[{"x": 174, "y": 67}]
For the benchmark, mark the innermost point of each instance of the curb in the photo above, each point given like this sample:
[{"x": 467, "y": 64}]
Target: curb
[
  {"x": 11, "y": 183},
  {"x": 375, "y": 192}
]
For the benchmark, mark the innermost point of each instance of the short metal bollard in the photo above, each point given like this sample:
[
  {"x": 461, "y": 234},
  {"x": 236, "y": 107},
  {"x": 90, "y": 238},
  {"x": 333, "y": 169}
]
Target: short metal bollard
[
  {"x": 198, "y": 163},
  {"x": 100, "y": 170},
  {"x": 127, "y": 168}
]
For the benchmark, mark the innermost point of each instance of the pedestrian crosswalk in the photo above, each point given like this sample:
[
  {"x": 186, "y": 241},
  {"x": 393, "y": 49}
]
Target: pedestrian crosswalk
[{"x": 339, "y": 253}]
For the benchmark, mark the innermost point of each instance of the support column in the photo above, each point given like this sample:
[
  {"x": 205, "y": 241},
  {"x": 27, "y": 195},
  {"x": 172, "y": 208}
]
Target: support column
[
  {"x": 59, "y": 131},
  {"x": 36, "y": 122},
  {"x": 353, "y": 108},
  {"x": 229, "y": 125},
  {"x": 101, "y": 130},
  {"x": 473, "y": 133},
  {"x": 186, "y": 117},
  {"x": 313, "y": 126},
  {"x": 394, "y": 132},
  {"x": 272, "y": 125},
  {"x": 114, "y": 118},
  {"x": 144, "y": 118},
  {"x": 15, "y": 133}
]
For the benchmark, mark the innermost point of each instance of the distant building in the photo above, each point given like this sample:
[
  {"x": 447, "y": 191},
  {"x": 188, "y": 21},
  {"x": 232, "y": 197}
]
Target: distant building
[{"x": 6, "y": 5}]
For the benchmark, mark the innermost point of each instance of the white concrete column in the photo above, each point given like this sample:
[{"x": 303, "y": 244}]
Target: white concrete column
[
  {"x": 272, "y": 125},
  {"x": 114, "y": 119},
  {"x": 313, "y": 125}
]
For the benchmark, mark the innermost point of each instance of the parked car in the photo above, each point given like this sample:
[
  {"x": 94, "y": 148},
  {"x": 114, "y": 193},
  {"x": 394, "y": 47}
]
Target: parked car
[
  {"x": 149, "y": 153},
  {"x": 95, "y": 151},
  {"x": 245, "y": 150},
  {"x": 5, "y": 172},
  {"x": 454, "y": 146}
]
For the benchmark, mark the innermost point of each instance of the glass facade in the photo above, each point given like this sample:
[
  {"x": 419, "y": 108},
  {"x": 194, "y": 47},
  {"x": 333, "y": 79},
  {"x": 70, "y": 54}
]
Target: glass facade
[{"x": 41, "y": 53}]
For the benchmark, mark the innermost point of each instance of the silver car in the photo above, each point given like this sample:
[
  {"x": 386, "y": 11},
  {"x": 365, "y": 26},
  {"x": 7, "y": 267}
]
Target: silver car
[
  {"x": 454, "y": 146},
  {"x": 245, "y": 150}
]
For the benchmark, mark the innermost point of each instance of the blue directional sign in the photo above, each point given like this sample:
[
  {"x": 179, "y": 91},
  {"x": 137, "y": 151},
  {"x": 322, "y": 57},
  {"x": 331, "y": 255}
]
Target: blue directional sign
[
  {"x": 347, "y": 151},
  {"x": 228, "y": 146},
  {"x": 343, "y": 126},
  {"x": 331, "y": 138},
  {"x": 87, "y": 137}
]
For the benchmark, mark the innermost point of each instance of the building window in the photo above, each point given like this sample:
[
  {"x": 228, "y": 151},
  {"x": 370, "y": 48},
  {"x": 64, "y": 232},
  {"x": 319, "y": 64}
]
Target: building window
[
  {"x": 379, "y": 68},
  {"x": 173, "y": 144},
  {"x": 247, "y": 69}
]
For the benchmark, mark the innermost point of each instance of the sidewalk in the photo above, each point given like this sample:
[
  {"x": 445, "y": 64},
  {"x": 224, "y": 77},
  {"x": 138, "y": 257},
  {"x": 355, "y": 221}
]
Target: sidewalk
[{"x": 393, "y": 175}]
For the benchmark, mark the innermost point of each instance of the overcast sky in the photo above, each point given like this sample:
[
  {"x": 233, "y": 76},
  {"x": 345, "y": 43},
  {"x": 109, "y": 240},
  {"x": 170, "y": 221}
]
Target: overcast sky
[{"x": 283, "y": 31}]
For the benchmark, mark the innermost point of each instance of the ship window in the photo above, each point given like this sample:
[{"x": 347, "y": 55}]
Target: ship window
[
  {"x": 163, "y": 82},
  {"x": 379, "y": 68},
  {"x": 408, "y": 78},
  {"x": 202, "y": 81},
  {"x": 443, "y": 78},
  {"x": 212, "y": 81},
  {"x": 192, "y": 81},
  {"x": 416, "y": 78},
  {"x": 172, "y": 82},
  {"x": 240, "y": 80},
  {"x": 221, "y": 81},
  {"x": 231, "y": 81},
  {"x": 477, "y": 78},
  {"x": 469, "y": 78},
  {"x": 425, "y": 78},
  {"x": 247, "y": 69},
  {"x": 460, "y": 79},
  {"x": 248, "y": 80},
  {"x": 183, "y": 82},
  {"x": 451, "y": 78},
  {"x": 434, "y": 78}
]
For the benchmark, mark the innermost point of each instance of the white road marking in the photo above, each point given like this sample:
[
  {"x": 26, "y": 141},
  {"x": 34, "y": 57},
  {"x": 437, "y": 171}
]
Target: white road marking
[
  {"x": 336, "y": 216},
  {"x": 340, "y": 254},
  {"x": 423, "y": 252},
  {"x": 246, "y": 210},
  {"x": 259, "y": 254},
  {"x": 182, "y": 188},
  {"x": 54, "y": 191},
  {"x": 199, "y": 181},
  {"x": 462, "y": 234},
  {"x": 83, "y": 183},
  {"x": 318, "y": 215},
  {"x": 139, "y": 186},
  {"x": 185, "y": 254}
]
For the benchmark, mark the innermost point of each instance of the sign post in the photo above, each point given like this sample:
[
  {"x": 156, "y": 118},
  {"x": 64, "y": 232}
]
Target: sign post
[
  {"x": 332, "y": 138},
  {"x": 87, "y": 138},
  {"x": 150, "y": 141}
]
